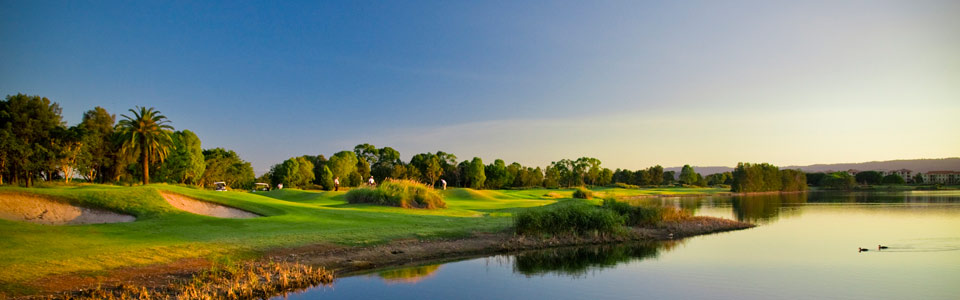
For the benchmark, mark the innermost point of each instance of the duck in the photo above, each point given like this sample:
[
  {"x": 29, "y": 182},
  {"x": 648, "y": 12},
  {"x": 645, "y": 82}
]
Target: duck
[
  {"x": 863, "y": 249},
  {"x": 881, "y": 247}
]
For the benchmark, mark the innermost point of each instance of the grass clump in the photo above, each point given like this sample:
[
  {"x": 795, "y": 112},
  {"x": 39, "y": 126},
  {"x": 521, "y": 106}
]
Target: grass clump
[
  {"x": 625, "y": 186},
  {"x": 576, "y": 219},
  {"x": 582, "y": 193},
  {"x": 400, "y": 193}
]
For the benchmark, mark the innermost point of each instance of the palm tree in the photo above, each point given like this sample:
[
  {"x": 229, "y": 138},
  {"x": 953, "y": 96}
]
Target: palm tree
[{"x": 148, "y": 134}]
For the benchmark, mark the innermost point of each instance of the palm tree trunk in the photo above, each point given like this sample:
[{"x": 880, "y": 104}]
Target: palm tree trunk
[{"x": 146, "y": 167}]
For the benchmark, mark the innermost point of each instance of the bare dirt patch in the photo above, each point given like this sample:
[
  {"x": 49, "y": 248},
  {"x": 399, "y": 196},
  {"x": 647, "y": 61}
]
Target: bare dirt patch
[
  {"x": 41, "y": 210},
  {"x": 206, "y": 208}
]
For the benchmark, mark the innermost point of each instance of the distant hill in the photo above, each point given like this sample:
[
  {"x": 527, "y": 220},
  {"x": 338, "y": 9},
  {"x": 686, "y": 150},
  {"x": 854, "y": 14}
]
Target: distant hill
[{"x": 916, "y": 165}]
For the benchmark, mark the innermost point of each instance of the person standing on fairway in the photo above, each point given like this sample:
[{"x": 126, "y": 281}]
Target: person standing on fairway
[
  {"x": 443, "y": 183},
  {"x": 336, "y": 184}
]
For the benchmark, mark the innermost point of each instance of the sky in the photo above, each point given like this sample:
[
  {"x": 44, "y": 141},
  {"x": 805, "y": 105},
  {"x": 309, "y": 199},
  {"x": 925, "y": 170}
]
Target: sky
[{"x": 633, "y": 83}]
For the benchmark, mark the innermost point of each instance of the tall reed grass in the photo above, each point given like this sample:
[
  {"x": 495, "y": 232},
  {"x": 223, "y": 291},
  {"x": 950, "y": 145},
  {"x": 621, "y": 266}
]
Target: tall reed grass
[
  {"x": 400, "y": 193},
  {"x": 575, "y": 219}
]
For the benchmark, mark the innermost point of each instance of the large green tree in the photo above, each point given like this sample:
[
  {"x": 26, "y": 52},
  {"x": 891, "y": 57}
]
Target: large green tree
[
  {"x": 343, "y": 164},
  {"x": 869, "y": 177},
  {"x": 97, "y": 151},
  {"x": 838, "y": 180},
  {"x": 185, "y": 162},
  {"x": 496, "y": 176},
  {"x": 893, "y": 179},
  {"x": 428, "y": 166},
  {"x": 474, "y": 173},
  {"x": 146, "y": 133},
  {"x": 225, "y": 165},
  {"x": 298, "y": 172},
  {"x": 27, "y": 124},
  {"x": 688, "y": 175},
  {"x": 67, "y": 144},
  {"x": 669, "y": 177}
]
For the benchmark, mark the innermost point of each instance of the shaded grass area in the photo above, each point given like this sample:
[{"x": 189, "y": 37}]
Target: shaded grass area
[{"x": 162, "y": 234}]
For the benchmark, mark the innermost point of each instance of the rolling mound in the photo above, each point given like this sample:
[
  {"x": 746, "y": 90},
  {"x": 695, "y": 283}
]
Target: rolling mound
[
  {"x": 40, "y": 210},
  {"x": 206, "y": 208}
]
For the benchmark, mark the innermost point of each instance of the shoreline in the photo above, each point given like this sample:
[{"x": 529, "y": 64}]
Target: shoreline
[
  {"x": 351, "y": 261},
  {"x": 721, "y": 194},
  {"x": 347, "y": 261}
]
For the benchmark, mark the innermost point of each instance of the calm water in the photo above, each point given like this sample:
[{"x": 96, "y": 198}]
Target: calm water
[{"x": 805, "y": 247}]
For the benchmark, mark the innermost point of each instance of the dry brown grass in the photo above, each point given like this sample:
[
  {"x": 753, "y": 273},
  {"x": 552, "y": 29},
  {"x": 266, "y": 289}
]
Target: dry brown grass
[{"x": 242, "y": 281}]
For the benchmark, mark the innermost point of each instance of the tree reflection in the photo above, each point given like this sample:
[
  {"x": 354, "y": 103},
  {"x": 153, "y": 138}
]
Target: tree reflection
[
  {"x": 767, "y": 208},
  {"x": 578, "y": 261},
  {"x": 409, "y": 275}
]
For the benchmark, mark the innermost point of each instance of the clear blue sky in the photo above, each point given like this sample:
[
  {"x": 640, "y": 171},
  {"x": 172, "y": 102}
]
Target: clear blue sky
[{"x": 632, "y": 83}]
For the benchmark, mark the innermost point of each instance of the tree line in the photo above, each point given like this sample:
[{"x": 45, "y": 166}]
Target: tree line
[
  {"x": 353, "y": 167},
  {"x": 844, "y": 181},
  {"x": 36, "y": 144},
  {"x": 765, "y": 177}
]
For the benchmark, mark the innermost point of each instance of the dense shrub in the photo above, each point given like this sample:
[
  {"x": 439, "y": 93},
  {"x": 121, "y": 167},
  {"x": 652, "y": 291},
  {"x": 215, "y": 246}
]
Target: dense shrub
[
  {"x": 569, "y": 219},
  {"x": 582, "y": 193},
  {"x": 893, "y": 179},
  {"x": 838, "y": 181},
  {"x": 640, "y": 215},
  {"x": 625, "y": 186},
  {"x": 401, "y": 193}
]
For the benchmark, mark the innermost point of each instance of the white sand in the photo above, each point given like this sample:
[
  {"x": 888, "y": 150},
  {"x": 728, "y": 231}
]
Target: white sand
[
  {"x": 40, "y": 210},
  {"x": 206, "y": 208}
]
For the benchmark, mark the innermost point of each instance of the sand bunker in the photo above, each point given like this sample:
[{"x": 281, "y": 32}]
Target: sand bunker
[
  {"x": 206, "y": 208},
  {"x": 35, "y": 209}
]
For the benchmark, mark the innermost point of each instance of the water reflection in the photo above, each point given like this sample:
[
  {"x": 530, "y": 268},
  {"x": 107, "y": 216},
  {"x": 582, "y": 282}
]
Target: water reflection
[
  {"x": 762, "y": 209},
  {"x": 791, "y": 255},
  {"x": 409, "y": 275},
  {"x": 578, "y": 261}
]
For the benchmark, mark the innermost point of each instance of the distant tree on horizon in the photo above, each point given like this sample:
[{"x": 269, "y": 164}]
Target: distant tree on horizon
[
  {"x": 869, "y": 177},
  {"x": 893, "y": 179},
  {"x": 688, "y": 175}
]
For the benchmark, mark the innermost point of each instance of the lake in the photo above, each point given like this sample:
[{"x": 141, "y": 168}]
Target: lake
[{"x": 804, "y": 247}]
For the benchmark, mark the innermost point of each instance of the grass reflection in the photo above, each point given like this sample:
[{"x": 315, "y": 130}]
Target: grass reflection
[{"x": 578, "y": 261}]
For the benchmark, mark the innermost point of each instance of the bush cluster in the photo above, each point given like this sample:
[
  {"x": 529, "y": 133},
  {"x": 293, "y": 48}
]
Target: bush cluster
[
  {"x": 625, "y": 186},
  {"x": 582, "y": 193},
  {"x": 568, "y": 219},
  {"x": 636, "y": 215},
  {"x": 400, "y": 193}
]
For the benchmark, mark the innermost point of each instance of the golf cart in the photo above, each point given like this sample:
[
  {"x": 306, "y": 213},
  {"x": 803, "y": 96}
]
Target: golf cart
[
  {"x": 220, "y": 186},
  {"x": 260, "y": 186}
]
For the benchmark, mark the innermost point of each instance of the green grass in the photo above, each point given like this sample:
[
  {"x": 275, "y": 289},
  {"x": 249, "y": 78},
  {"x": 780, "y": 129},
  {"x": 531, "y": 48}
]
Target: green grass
[{"x": 163, "y": 234}]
